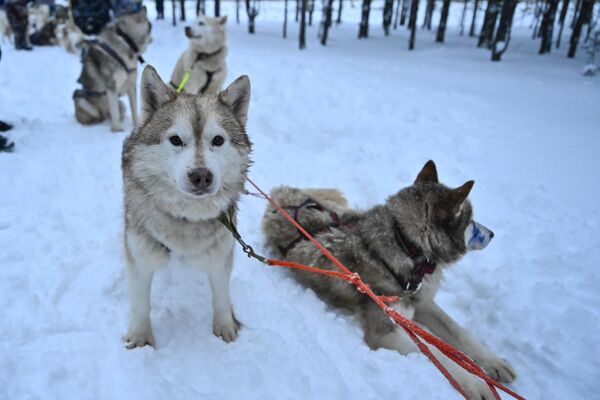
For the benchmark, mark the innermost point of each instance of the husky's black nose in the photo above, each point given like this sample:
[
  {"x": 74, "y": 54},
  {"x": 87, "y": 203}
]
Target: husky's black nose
[
  {"x": 200, "y": 178},
  {"x": 491, "y": 234}
]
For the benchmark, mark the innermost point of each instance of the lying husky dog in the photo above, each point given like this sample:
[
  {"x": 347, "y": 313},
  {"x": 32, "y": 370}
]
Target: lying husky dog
[
  {"x": 204, "y": 58},
  {"x": 399, "y": 248},
  {"x": 110, "y": 70},
  {"x": 183, "y": 166}
]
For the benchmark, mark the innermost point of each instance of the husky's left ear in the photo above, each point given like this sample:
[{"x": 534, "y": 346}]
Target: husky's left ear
[
  {"x": 428, "y": 173},
  {"x": 223, "y": 20},
  {"x": 237, "y": 98},
  {"x": 453, "y": 200},
  {"x": 154, "y": 92}
]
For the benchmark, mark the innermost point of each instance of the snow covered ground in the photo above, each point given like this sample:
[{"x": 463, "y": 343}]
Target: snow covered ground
[{"x": 359, "y": 115}]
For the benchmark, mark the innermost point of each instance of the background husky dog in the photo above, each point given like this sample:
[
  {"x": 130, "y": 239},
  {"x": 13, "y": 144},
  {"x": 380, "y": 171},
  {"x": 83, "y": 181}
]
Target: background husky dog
[
  {"x": 426, "y": 224},
  {"x": 183, "y": 166},
  {"x": 205, "y": 57},
  {"x": 110, "y": 70}
]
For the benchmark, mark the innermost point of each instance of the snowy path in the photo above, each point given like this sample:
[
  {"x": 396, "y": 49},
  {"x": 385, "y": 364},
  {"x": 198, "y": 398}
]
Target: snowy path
[{"x": 361, "y": 116}]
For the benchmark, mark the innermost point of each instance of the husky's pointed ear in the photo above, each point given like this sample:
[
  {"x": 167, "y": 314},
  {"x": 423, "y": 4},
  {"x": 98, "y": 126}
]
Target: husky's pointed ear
[
  {"x": 154, "y": 92},
  {"x": 237, "y": 98},
  {"x": 451, "y": 203},
  {"x": 428, "y": 173},
  {"x": 223, "y": 20}
]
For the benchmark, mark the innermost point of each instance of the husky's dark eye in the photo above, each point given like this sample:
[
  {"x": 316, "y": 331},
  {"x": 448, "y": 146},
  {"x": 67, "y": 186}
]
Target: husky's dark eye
[
  {"x": 176, "y": 140},
  {"x": 200, "y": 23},
  {"x": 218, "y": 141}
]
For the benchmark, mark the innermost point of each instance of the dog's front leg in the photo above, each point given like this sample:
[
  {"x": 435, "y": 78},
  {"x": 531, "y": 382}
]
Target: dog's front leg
[
  {"x": 143, "y": 258},
  {"x": 380, "y": 334},
  {"x": 443, "y": 326},
  {"x": 115, "y": 115},
  {"x": 225, "y": 324},
  {"x": 132, "y": 94}
]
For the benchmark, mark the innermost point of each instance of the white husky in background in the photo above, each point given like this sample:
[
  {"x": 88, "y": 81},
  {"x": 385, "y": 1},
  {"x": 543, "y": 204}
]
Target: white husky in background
[
  {"x": 204, "y": 58},
  {"x": 183, "y": 167}
]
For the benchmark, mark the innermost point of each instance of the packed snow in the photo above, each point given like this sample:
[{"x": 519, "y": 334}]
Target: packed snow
[{"x": 362, "y": 116}]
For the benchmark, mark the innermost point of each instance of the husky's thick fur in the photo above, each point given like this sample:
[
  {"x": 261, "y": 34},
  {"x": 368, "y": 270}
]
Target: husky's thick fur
[
  {"x": 204, "y": 58},
  {"x": 428, "y": 215},
  {"x": 110, "y": 71},
  {"x": 183, "y": 166}
]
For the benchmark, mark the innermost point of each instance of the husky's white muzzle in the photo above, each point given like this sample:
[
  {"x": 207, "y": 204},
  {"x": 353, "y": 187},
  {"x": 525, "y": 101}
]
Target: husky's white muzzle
[{"x": 477, "y": 236}]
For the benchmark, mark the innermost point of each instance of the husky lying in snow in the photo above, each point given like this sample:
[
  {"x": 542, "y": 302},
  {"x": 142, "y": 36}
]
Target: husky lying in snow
[
  {"x": 183, "y": 166},
  {"x": 204, "y": 58},
  {"x": 110, "y": 71},
  {"x": 399, "y": 248}
]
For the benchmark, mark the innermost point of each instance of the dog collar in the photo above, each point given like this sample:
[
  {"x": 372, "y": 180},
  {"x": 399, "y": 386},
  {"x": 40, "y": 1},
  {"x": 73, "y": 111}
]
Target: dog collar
[
  {"x": 134, "y": 47},
  {"x": 204, "y": 56},
  {"x": 422, "y": 265}
]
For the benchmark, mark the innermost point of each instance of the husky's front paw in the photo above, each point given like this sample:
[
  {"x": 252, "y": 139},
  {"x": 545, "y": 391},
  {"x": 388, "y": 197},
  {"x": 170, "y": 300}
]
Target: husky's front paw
[
  {"x": 226, "y": 330},
  {"x": 498, "y": 369},
  {"x": 133, "y": 340},
  {"x": 475, "y": 388}
]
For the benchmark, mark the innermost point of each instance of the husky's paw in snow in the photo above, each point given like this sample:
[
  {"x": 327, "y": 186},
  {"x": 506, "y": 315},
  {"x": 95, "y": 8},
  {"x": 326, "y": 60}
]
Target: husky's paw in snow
[{"x": 183, "y": 167}]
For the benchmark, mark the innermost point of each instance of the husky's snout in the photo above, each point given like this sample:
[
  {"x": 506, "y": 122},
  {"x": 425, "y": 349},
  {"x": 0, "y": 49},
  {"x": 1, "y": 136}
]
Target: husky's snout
[
  {"x": 190, "y": 34},
  {"x": 477, "y": 236},
  {"x": 200, "y": 180}
]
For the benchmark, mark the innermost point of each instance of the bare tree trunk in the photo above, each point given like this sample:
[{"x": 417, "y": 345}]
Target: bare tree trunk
[
  {"x": 285, "y": 14},
  {"x": 217, "y": 8},
  {"x": 406, "y": 4},
  {"x": 429, "y": 8},
  {"x": 462, "y": 18},
  {"x": 311, "y": 9},
  {"x": 388, "y": 10},
  {"x": 489, "y": 24},
  {"x": 363, "y": 28},
  {"x": 475, "y": 9},
  {"x": 587, "y": 7},
  {"x": 547, "y": 28},
  {"x": 561, "y": 21},
  {"x": 182, "y": 14},
  {"x": 576, "y": 13},
  {"x": 328, "y": 11},
  {"x": 297, "y": 9},
  {"x": 252, "y": 12},
  {"x": 339, "y": 15},
  {"x": 443, "y": 19},
  {"x": 303, "y": 24},
  {"x": 174, "y": 8},
  {"x": 502, "y": 37},
  {"x": 412, "y": 23}
]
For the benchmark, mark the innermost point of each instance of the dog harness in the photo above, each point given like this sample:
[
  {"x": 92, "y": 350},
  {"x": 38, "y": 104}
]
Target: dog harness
[
  {"x": 188, "y": 73},
  {"x": 421, "y": 263},
  {"x": 132, "y": 45}
]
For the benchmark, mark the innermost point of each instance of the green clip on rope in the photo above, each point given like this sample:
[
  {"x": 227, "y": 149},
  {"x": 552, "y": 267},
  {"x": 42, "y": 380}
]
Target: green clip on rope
[{"x": 186, "y": 77}]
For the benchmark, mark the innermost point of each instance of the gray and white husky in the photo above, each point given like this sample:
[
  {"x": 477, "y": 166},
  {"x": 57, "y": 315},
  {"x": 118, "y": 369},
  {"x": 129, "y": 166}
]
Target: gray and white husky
[
  {"x": 400, "y": 249},
  {"x": 183, "y": 166},
  {"x": 109, "y": 71},
  {"x": 204, "y": 57}
]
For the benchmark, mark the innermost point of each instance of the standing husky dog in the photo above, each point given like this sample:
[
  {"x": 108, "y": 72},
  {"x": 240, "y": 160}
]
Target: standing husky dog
[
  {"x": 183, "y": 166},
  {"x": 204, "y": 58},
  {"x": 110, "y": 71},
  {"x": 399, "y": 248}
]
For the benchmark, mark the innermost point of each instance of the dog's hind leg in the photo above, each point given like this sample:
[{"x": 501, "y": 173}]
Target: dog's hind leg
[
  {"x": 132, "y": 94},
  {"x": 143, "y": 258},
  {"x": 442, "y": 325},
  {"x": 114, "y": 110},
  {"x": 225, "y": 325}
]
